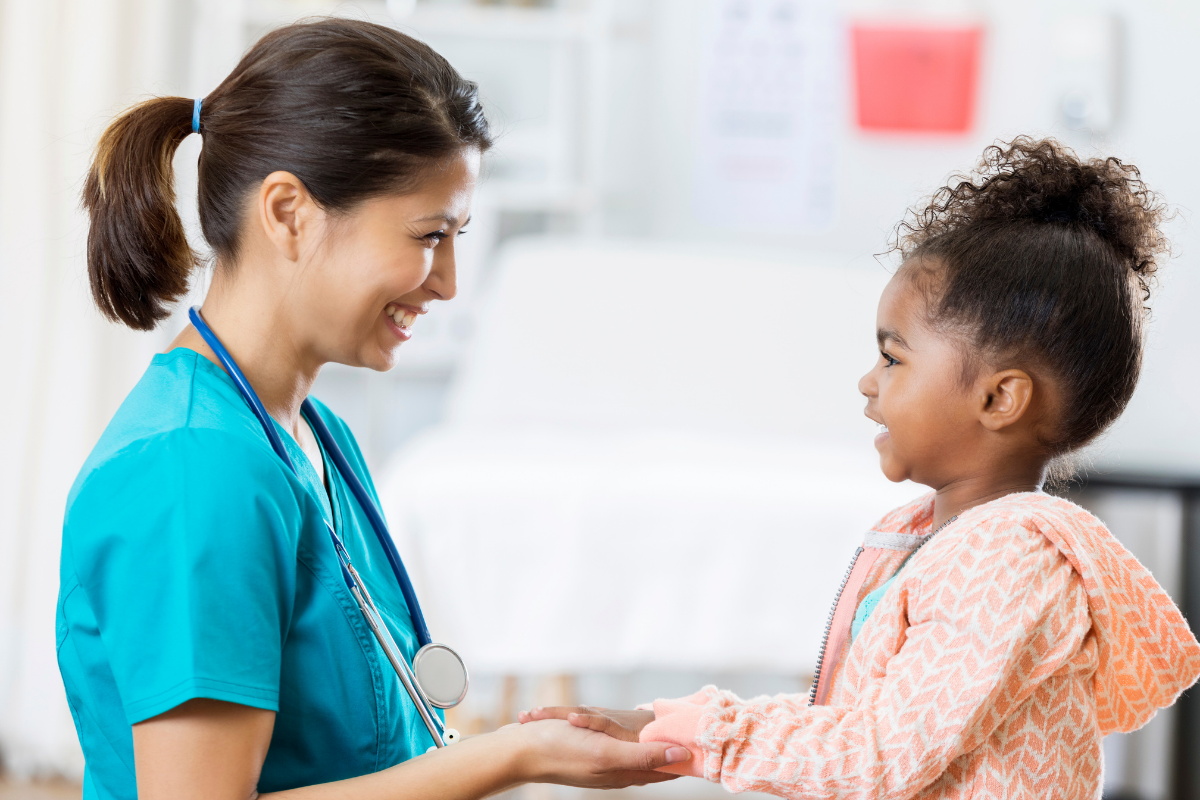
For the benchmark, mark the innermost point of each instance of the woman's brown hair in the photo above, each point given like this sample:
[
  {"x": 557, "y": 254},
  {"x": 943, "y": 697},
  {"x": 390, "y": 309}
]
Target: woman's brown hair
[{"x": 353, "y": 109}]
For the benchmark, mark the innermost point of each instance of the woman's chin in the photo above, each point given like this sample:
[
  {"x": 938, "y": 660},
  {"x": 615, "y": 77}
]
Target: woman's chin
[{"x": 381, "y": 359}]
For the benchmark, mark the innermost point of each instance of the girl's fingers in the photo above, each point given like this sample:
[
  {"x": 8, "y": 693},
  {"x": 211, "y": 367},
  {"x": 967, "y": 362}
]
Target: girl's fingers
[
  {"x": 552, "y": 712},
  {"x": 593, "y": 722}
]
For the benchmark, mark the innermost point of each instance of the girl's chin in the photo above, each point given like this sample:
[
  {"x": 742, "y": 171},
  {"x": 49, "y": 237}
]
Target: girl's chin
[{"x": 891, "y": 470}]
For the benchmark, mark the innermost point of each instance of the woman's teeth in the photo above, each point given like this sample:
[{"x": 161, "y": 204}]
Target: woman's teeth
[
  {"x": 402, "y": 317},
  {"x": 882, "y": 427}
]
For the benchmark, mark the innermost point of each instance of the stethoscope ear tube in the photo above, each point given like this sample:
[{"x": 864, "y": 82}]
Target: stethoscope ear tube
[
  {"x": 244, "y": 388},
  {"x": 368, "y": 506}
]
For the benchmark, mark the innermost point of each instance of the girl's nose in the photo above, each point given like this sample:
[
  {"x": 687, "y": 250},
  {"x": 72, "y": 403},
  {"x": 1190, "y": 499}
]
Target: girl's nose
[{"x": 867, "y": 385}]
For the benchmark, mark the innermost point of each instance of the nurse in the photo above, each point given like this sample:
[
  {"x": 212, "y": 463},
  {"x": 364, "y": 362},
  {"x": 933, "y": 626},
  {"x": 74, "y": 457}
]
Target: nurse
[{"x": 209, "y": 645}]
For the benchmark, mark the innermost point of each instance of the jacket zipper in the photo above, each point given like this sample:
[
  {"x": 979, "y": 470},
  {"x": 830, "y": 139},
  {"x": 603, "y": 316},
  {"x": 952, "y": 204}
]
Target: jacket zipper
[{"x": 812, "y": 693}]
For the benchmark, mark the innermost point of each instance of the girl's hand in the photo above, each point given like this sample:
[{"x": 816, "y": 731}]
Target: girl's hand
[
  {"x": 624, "y": 725},
  {"x": 555, "y": 751}
]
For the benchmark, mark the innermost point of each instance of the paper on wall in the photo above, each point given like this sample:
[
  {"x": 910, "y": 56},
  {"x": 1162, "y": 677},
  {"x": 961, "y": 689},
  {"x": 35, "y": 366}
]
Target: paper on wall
[{"x": 766, "y": 114}]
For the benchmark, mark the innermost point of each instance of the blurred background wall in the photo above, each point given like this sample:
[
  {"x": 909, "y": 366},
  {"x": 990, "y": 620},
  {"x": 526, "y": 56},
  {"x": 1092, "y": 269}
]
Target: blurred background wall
[{"x": 746, "y": 131}]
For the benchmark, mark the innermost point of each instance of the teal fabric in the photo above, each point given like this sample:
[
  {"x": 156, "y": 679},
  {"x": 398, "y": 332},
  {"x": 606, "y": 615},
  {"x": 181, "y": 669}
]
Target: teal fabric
[
  {"x": 196, "y": 564},
  {"x": 868, "y": 603}
]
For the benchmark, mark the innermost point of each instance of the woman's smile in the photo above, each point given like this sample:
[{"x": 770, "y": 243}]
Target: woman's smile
[{"x": 400, "y": 319}]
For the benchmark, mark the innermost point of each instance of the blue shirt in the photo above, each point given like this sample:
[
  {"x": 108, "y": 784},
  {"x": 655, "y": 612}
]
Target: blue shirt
[{"x": 196, "y": 564}]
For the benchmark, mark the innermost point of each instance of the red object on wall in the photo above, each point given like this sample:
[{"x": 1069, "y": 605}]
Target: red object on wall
[{"x": 916, "y": 79}]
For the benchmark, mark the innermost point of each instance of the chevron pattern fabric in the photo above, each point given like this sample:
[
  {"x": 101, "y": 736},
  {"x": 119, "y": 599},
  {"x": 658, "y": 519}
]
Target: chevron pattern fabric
[{"x": 1004, "y": 651}]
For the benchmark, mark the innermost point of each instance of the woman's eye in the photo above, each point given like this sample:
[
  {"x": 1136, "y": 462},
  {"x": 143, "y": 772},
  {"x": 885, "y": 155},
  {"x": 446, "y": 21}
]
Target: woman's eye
[
  {"x": 436, "y": 236},
  {"x": 891, "y": 362}
]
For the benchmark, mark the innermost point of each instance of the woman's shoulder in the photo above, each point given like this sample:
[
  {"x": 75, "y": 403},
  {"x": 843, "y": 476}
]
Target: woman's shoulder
[
  {"x": 180, "y": 496},
  {"x": 183, "y": 421}
]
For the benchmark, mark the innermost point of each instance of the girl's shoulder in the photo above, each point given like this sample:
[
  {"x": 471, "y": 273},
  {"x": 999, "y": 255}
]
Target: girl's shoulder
[
  {"x": 1032, "y": 511},
  {"x": 1048, "y": 521},
  {"x": 1147, "y": 653}
]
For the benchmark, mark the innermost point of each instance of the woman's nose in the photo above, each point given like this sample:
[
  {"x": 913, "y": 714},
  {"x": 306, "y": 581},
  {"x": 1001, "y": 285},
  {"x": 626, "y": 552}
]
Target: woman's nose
[{"x": 443, "y": 278}]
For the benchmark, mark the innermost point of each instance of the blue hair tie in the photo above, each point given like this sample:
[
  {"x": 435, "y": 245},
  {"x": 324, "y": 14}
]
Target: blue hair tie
[{"x": 196, "y": 114}]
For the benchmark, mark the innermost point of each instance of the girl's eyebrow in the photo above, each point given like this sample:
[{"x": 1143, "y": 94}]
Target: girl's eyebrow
[{"x": 884, "y": 334}]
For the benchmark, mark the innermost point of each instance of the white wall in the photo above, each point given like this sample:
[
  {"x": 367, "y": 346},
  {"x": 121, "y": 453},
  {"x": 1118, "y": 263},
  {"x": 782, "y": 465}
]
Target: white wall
[{"x": 878, "y": 176}]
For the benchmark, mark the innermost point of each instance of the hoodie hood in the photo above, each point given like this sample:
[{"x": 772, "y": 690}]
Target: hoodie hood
[{"x": 1147, "y": 653}]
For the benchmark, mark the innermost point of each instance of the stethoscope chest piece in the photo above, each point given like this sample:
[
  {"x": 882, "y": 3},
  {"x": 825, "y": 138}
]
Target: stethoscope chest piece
[{"x": 441, "y": 674}]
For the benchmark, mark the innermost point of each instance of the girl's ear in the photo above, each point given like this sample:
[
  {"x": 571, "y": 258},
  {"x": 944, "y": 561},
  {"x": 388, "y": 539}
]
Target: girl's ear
[{"x": 1007, "y": 396}]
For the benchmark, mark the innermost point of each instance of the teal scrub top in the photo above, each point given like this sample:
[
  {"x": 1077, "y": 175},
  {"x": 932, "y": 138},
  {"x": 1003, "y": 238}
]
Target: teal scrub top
[{"x": 196, "y": 564}]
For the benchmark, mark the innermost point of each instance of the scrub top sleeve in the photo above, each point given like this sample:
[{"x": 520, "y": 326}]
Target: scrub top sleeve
[{"x": 185, "y": 545}]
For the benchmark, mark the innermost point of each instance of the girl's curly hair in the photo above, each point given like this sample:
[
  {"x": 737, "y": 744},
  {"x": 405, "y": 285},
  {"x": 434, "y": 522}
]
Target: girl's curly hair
[{"x": 1045, "y": 260}]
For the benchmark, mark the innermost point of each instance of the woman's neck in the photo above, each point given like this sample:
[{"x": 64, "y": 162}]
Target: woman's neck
[{"x": 263, "y": 343}]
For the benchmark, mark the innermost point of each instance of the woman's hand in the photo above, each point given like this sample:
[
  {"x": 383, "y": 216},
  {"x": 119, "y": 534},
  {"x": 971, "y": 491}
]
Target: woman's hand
[
  {"x": 214, "y": 750},
  {"x": 624, "y": 725},
  {"x": 559, "y": 751}
]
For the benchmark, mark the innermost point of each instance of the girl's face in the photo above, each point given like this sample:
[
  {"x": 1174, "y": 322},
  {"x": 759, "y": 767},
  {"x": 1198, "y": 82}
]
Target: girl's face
[
  {"x": 916, "y": 391},
  {"x": 381, "y": 265}
]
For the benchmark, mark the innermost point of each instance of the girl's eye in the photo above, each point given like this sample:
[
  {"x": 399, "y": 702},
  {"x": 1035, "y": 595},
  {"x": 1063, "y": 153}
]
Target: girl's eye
[{"x": 891, "y": 362}]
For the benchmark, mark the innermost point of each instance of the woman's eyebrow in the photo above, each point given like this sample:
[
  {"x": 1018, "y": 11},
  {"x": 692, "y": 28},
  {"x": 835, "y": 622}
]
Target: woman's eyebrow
[
  {"x": 884, "y": 334},
  {"x": 445, "y": 217}
]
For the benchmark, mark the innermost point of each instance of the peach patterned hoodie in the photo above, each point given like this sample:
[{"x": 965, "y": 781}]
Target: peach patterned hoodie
[{"x": 1006, "y": 648}]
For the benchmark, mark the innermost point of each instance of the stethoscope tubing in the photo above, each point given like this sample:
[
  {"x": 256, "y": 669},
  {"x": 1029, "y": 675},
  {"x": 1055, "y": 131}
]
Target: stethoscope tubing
[
  {"x": 357, "y": 587},
  {"x": 377, "y": 522}
]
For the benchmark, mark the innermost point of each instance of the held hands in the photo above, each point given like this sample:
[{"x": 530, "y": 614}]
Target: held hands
[
  {"x": 566, "y": 752},
  {"x": 624, "y": 725}
]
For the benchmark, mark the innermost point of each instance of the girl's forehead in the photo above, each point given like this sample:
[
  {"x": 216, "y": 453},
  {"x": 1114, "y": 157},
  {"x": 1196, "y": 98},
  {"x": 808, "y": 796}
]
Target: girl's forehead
[
  {"x": 903, "y": 313},
  {"x": 899, "y": 300}
]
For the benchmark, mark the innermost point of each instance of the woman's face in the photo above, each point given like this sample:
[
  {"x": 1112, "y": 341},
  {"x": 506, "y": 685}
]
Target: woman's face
[{"x": 381, "y": 265}]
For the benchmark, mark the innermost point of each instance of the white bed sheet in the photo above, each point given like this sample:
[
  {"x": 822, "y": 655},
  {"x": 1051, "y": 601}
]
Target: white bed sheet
[{"x": 567, "y": 550}]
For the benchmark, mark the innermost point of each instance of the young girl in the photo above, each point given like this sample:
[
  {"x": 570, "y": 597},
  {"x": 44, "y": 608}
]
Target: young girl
[{"x": 988, "y": 635}]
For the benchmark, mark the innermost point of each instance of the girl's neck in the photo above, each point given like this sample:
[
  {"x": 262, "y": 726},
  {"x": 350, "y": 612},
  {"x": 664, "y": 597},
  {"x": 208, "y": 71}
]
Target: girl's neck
[
  {"x": 958, "y": 496},
  {"x": 260, "y": 337}
]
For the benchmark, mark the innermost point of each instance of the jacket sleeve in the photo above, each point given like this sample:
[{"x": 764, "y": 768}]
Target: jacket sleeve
[{"x": 988, "y": 621}]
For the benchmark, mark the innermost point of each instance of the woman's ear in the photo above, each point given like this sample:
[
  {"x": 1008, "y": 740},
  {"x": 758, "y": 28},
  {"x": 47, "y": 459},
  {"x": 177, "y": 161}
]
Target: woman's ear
[
  {"x": 1007, "y": 396},
  {"x": 286, "y": 212}
]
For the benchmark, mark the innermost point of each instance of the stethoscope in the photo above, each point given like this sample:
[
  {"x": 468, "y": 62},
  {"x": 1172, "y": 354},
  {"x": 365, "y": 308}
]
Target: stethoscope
[{"x": 438, "y": 676}]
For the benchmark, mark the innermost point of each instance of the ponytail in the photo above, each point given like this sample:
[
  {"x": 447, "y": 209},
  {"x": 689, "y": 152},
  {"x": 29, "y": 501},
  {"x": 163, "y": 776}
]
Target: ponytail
[{"x": 138, "y": 257}]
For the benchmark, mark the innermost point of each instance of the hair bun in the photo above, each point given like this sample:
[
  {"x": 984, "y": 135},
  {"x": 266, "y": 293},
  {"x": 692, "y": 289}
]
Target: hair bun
[{"x": 1045, "y": 182}]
